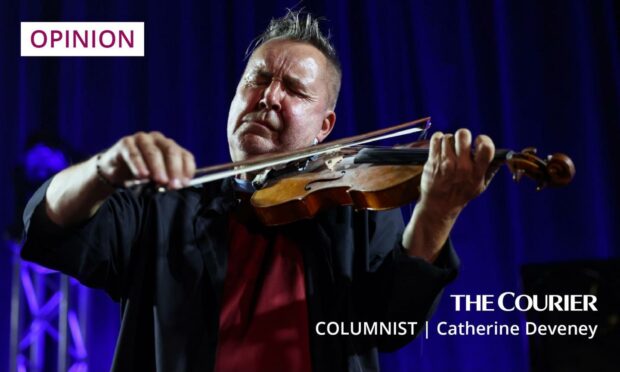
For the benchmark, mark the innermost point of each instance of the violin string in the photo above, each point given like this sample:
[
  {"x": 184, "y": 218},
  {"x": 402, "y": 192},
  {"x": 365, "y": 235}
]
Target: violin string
[
  {"x": 268, "y": 164},
  {"x": 312, "y": 150}
]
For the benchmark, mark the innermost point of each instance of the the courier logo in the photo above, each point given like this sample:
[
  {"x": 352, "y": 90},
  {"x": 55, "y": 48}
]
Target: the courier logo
[{"x": 82, "y": 39}]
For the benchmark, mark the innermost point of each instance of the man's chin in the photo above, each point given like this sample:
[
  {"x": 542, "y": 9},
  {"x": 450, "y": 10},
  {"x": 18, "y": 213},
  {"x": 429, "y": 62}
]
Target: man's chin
[{"x": 250, "y": 145}]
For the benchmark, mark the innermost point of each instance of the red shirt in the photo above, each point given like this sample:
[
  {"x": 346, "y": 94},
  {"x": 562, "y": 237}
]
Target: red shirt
[{"x": 264, "y": 317}]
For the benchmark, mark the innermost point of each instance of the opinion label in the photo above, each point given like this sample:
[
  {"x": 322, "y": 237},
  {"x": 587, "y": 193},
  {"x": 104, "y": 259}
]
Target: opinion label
[{"x": 82, "y": 39}]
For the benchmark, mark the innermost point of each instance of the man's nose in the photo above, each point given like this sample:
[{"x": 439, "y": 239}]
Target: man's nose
[{"x": 272, "y": 96}]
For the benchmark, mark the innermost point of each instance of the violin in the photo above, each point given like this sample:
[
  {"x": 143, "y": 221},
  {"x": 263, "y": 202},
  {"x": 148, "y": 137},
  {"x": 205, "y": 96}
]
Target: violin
[{"x": 299, "y": 184}]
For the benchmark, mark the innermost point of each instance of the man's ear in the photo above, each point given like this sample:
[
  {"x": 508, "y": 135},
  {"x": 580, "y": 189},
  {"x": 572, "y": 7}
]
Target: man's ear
[{"x": 327, "y": 125}]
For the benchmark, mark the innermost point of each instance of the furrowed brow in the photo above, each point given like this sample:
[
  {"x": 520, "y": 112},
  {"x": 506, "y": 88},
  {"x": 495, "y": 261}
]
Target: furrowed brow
[{"x": 263, "y": 73}]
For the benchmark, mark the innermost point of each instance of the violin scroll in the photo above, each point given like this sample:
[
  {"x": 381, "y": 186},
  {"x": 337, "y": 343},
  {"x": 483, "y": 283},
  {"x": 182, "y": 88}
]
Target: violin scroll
[{"x": 557, "y": 170}]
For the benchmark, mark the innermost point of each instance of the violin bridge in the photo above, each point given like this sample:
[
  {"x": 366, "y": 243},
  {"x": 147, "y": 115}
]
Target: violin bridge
[
  {"x": 333, "y": 161},
  {"x": 260, "y": 179}
]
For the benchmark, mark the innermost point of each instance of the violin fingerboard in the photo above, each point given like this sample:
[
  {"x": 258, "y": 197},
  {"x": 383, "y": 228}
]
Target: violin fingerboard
[{"x": 391, "y": 156}]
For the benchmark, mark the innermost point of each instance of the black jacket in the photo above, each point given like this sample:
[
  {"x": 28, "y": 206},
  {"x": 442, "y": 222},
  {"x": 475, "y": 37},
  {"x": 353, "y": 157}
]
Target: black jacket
[{"x": 164, "y": 257}]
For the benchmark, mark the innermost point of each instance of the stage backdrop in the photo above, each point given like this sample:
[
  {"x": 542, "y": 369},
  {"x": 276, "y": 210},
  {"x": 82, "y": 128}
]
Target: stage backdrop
[{"x": 527, "y": 73}]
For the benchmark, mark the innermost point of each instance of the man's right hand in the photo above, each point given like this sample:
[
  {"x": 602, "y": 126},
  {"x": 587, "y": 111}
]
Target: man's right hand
[
  {"x": 148, "y": 156},
  {"x": 76, "y": 193}
]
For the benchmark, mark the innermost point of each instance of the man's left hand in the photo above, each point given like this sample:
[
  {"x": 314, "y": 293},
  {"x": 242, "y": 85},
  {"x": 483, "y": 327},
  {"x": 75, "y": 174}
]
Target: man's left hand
[{"x": 452, "y": 176}]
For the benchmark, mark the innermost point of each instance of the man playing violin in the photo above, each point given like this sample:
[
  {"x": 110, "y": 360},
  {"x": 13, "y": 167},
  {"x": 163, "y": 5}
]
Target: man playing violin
[{"x": 203, "y": 285}]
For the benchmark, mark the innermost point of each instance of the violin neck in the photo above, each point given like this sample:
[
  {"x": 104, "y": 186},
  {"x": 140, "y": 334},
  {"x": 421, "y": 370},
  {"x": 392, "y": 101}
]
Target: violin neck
[{"x": 404, "y": 156}]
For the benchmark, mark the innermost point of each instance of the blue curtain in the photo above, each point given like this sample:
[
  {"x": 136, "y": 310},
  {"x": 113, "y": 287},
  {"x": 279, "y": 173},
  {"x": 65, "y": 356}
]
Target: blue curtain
[{"x": 527, "y": 73}]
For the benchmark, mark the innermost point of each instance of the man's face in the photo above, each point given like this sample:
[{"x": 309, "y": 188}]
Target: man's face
[{"x": 281, "y": 102}]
